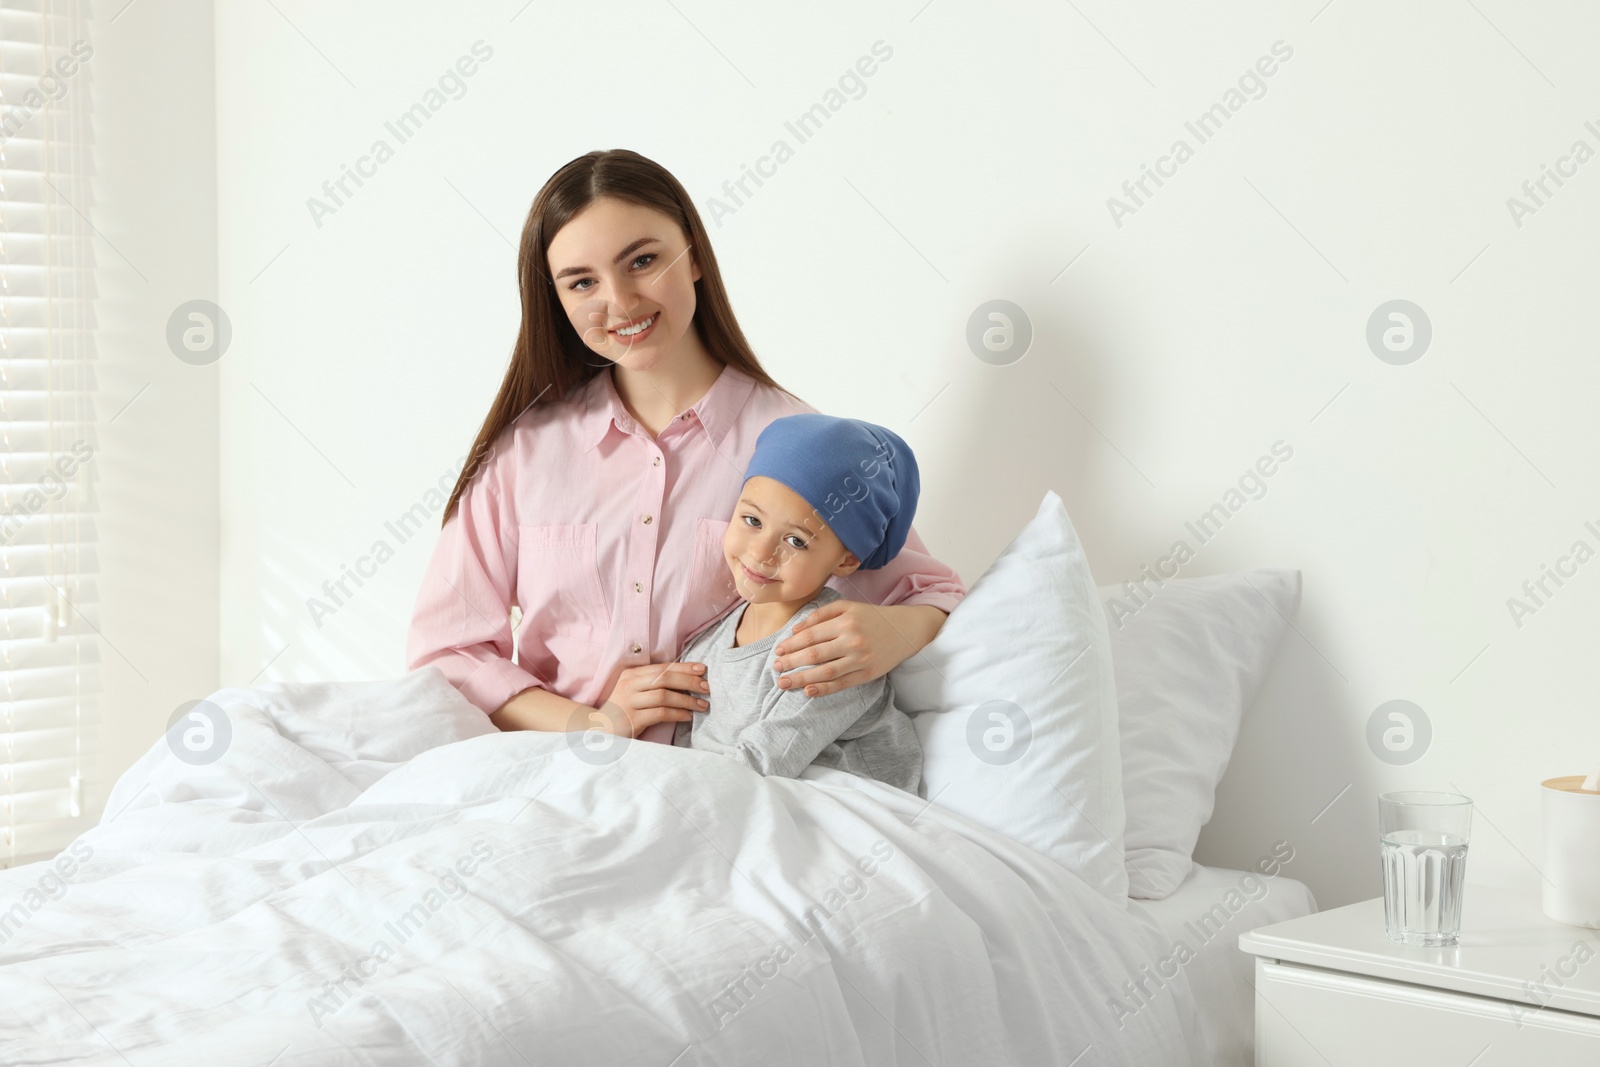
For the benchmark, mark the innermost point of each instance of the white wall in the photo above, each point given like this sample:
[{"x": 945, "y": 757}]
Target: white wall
[
  {"x": 1221, "y": 317},
  {"x": 156, "y": 464}
]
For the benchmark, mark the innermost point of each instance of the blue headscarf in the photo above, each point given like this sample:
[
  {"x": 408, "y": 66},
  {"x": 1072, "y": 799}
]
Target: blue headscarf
[{"x": 862, "y": 479}]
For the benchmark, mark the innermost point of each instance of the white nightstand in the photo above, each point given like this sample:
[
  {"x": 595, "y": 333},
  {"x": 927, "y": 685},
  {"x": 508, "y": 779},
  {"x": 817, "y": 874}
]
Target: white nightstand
[{"x": 1519, "y": 989}]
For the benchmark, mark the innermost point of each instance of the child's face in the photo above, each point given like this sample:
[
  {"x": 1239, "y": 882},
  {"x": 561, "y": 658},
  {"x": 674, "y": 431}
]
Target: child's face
[
  {"x": 652, "y": 282},
  {"x": 776, "y": 535}
]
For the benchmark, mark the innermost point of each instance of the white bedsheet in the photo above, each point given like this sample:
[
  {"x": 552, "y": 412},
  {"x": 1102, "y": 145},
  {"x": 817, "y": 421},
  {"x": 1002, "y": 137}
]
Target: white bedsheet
[
  {"x": 1207, "y": 913},
  {"x": 373, "y": 874}
]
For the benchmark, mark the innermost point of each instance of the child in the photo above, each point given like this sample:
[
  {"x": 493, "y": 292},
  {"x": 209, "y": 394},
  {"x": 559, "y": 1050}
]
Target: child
[{"x": 822, "y": 496}]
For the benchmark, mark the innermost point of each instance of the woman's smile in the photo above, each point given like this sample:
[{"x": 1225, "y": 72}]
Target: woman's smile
[{"x": 636, "y": 330}]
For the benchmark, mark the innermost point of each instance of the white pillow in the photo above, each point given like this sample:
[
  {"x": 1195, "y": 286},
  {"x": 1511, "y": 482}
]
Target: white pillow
[
  {"x": 1021, "y": 726},
  {"x": 1189, "y": 659}
]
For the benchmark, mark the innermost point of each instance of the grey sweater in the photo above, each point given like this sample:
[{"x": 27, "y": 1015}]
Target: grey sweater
[{"x": 782, "y": 731}]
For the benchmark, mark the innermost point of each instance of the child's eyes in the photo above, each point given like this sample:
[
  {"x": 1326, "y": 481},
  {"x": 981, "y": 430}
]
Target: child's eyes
[{"x": 793, "y": 540}]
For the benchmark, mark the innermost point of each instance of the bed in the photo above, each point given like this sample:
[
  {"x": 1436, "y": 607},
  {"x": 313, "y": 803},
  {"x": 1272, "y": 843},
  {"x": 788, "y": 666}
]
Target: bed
[{"x": 371, "y": 873}]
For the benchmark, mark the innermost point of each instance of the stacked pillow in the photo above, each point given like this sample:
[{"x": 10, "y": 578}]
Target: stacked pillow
[
  {"x": 1021, "y": 730},
  {"x": 1188, "y": 664},
  {"x": 1099, "y": 746}
]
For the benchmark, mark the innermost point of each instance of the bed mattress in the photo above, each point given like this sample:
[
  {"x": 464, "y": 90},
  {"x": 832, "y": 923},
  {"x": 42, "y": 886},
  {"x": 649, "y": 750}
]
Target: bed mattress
[{"x": 1205, "y": 916}]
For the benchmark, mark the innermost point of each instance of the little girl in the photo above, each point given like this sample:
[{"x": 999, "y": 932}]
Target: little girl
[{"x": 822, "y": 497}]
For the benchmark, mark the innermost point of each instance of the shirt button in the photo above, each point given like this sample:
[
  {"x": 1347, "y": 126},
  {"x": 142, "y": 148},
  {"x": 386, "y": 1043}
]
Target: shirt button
[
  {"x": 657, "y": 462},
  {"x": 646, "y": 520},
  {"x": 685, "y": 415},
  {"x": 635, "y": 646},
  {"x": 638, "y": 587}
]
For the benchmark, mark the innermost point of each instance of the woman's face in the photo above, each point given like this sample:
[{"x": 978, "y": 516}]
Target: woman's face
[{"x": 618, "y": 266}]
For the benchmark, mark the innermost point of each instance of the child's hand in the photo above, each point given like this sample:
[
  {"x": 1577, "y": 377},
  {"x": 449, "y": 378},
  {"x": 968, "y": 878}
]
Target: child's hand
[{"x": 650, "y": 693}]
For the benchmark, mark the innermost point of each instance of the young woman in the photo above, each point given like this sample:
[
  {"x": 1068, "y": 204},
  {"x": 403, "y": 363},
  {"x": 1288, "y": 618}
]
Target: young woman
[{"x": 605, "y": 475}]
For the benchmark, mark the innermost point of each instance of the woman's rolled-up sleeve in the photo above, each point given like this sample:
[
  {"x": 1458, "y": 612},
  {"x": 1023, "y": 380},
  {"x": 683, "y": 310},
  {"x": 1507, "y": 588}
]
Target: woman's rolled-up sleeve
[
  {"x": 914, "y": 576},
  {"x": 461, "y": 623}
]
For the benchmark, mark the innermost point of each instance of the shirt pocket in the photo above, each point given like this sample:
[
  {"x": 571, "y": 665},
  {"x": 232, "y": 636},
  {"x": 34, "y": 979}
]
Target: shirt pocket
[
  {"x": 558, "y": 587},
  {"x": 711, "y": 587}
]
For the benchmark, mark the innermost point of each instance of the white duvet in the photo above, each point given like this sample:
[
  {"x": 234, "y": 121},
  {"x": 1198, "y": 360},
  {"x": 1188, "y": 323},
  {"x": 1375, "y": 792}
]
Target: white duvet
[{"x": 372, "y": 874}]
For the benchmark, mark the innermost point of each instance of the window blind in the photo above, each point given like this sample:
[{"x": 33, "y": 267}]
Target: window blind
[{"x": 49, "y": 640}]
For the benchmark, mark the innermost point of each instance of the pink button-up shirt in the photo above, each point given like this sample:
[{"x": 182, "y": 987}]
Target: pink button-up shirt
[{"x": 610, "y": 541}]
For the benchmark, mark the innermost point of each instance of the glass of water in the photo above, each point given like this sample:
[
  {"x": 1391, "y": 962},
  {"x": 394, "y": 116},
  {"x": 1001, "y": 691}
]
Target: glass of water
[{"x": 1424, "y": 839}]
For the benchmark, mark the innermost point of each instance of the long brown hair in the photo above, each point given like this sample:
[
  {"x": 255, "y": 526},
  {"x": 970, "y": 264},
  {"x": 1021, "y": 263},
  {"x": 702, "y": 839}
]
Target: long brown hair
[{"x": 549, "y": 360}]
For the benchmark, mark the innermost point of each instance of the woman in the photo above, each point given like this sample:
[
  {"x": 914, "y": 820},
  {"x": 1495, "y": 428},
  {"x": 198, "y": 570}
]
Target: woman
[{"x": 602, "y": 480}]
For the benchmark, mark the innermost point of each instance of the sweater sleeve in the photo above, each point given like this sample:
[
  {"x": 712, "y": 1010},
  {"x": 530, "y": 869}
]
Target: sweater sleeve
[
  {"x": 914, "y": 576},
  {"x": 794, "y": 729},
  {"x": 461, "y": 623}
]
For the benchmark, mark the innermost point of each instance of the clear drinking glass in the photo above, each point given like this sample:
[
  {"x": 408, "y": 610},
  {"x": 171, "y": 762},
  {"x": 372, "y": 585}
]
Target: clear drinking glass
[{"x": 1424, "y": 837}]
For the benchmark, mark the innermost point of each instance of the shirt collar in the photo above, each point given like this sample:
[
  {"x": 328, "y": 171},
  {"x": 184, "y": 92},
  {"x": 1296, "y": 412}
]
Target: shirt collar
[{"x": 716, "y": 411}]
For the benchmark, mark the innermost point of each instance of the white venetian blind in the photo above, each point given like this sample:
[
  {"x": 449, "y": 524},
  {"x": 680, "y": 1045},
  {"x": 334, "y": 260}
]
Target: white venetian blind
[{"x": 49, "y": 642}]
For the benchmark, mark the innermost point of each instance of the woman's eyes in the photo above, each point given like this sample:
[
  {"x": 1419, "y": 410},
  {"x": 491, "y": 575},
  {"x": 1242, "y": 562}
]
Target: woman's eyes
[{"x": 649, "y": 256}]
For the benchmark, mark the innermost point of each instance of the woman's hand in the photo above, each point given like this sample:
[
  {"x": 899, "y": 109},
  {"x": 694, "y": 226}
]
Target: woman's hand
[
  {"x": 850, "y": 642},
  {"x": 649, "y": 693}
]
